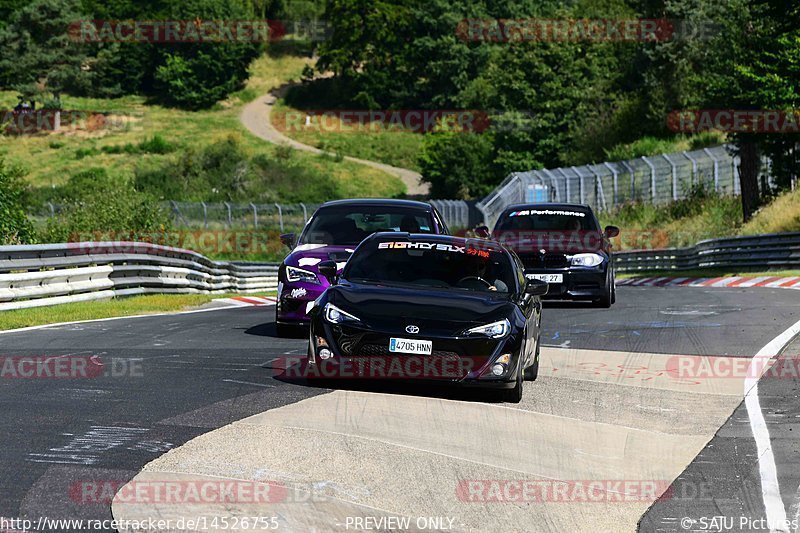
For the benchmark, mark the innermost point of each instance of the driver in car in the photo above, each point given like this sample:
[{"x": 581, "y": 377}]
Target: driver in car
[{"x": 484, "y": 272}]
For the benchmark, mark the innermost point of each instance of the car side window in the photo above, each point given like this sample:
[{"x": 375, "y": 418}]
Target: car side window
[{"x": 439, "y": 222}]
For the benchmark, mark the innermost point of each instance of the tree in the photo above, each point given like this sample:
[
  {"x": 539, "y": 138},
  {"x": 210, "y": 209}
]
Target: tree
[{"x": 36, "y": 54}]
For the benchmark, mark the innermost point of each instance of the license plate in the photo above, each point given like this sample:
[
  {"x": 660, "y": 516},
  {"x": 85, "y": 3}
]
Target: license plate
[
  {"x": 410, "y": 346},
  {"x": 549, "y": 278}
]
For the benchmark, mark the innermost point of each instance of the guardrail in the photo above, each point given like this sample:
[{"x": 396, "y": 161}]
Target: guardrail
[
  {"x": 49, "y": 274},
  {"x": 779, "y": 250}
]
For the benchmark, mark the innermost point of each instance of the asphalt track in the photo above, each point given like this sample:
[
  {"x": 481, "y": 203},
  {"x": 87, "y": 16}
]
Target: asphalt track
[{"x": 200, "y": 396}]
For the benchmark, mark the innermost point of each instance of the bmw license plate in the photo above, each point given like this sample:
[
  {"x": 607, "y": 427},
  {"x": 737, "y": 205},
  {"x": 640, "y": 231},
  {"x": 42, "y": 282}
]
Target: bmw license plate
[
  {"x": 410, "y": 346},
  {"x": 549, "y": 278}
]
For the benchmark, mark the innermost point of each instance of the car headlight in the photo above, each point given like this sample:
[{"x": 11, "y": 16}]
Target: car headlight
[
  {"x": 586, "y": 260},
  {"x": 295, "y": 274},
  {"x": 495, "y": 330},
  {"x": 334, "y": 315}
]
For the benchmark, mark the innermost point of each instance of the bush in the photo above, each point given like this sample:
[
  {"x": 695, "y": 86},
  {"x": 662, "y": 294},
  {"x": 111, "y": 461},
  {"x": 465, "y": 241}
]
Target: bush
[
  {"x": 15, "y": 228},
  {"x": 96, "y": 202}
]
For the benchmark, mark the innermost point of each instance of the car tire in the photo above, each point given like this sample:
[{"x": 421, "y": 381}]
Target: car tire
[
  {"x": 613, "y": 290},
  {"x": 606, "y": 299},
  {"x": 532, "y": 372},
  {"x": 515, "y": 395}
]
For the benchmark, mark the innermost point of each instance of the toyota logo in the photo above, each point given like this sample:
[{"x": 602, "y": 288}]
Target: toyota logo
[{"x": 412, "y": 329}]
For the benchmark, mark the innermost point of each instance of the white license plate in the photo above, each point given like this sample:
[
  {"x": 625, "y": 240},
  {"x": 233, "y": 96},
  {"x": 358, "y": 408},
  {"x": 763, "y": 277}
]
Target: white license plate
[
  {"x": 410, "y": 346},
  {"x": 549, "y": 278}
]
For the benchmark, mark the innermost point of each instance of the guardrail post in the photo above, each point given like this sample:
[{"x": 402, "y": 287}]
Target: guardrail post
[
  {"x": 674, "y": 177},
  {"x": 255, "y": 215},
  {"x": 205, "y": 215},
  {"x": 280, "y": 216},
  {"x": 652, "y": 178},
  {"x": 694, "y": 166},
  {"x": 305, "y": 213},
  {"x": 230, "y": 221},
  {"x": 716, "y": 168}
]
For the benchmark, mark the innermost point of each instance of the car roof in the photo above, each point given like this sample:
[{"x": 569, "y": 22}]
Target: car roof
[
  {"x": 393, "y": 202},
  {"x": 549, "y": 205},
  {"x": 445, "y": 239}
]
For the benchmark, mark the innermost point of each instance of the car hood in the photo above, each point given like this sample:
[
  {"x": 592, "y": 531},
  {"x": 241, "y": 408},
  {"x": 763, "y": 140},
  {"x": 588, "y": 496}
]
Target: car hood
[
  {"x": 308, "y": 256},
  {"x": 563, "y": 242},
  {"x": 383, "y": 306}
]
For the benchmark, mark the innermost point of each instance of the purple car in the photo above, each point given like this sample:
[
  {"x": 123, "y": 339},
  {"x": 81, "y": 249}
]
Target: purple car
[{"x": 332, "y": 233}]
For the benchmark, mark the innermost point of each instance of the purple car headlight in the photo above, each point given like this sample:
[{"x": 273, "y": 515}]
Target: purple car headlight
[{"x": 294, "y": 274}]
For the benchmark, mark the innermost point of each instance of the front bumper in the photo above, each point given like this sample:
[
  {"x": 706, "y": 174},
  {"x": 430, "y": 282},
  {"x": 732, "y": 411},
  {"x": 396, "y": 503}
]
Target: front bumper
[
  {"x": 578, "y": 284},
  {"x": 295, "y": 301},
  {"x": 364, "y": 354}
]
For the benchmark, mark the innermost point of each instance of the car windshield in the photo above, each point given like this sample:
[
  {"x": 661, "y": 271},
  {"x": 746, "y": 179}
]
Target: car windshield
[
  {"x": 547, "y": 220},
  {"x": 432, "y": 265},
  {"x": 343, "y": 225}
]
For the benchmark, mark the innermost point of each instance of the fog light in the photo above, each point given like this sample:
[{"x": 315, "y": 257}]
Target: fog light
[
  {"x": 325, "y": 354},
  {"x": 498, "y": 369},
  {"x": 321, "y": 341}
]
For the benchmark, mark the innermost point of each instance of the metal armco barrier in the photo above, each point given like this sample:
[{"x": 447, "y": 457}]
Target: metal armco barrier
[
  {"x": 779, "y": 250},
  {"x": 49, "y": 274}
]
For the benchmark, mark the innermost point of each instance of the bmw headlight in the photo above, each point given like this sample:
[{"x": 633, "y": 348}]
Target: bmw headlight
[
  {"x": 334, "y": 315},
  {"x": 495, "y": 330},
  {"x": 586, "y": 260},
  {"x": 294, "y": 274}
]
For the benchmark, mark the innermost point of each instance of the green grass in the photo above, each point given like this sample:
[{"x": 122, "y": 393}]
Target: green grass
[
  {"x": 679, "y": 224},
  {"x": 395, "y": 147},
  {"x": 708, "y": 273},
  {"x": 115, "y": 307},
  {"x": 653, "y": 146},
  {"x": 779, "y": 216},
  {"x": 51, "y": 158}
]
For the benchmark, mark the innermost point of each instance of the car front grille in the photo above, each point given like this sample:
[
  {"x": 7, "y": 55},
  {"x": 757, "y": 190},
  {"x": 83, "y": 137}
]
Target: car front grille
[{"x": 549, "y": 260}]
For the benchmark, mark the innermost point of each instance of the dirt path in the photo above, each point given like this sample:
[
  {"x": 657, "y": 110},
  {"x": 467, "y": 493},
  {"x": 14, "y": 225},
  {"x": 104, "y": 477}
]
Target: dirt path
[{"x": 256, "y": 118}]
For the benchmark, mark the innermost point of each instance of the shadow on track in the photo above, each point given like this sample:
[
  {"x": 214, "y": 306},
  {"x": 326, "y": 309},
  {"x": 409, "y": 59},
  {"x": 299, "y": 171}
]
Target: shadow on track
[{"x": 430, "y": 389}]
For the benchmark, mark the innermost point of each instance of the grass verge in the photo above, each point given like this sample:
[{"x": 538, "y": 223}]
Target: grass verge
[{"x": 98, "y": 309}]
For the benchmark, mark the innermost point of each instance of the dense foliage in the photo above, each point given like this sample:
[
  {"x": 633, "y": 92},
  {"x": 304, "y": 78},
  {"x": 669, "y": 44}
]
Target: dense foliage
[{"x": 15, "y": 228}]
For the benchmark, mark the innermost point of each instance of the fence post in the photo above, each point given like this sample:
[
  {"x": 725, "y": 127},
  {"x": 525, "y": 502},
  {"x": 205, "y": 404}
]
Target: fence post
[
  {"x": 205, "y": 215},
  {"x": 305, "y": 213},
  {"x": 280, "y": 216},
  {"x": 716, "y": 168},
  {"x": 255, "y": 215},
  {"x": 52, "y": 209},
  {"x": 230, "y": 222},
  {"x": 615, "y": 174},
  {"x": 553, "y": 183},
  {"x": 652, "y": 178},
  {"x": 735, "y": 174},
  {"x": 674, "y": 177},
  {"x": 566, "y": 184},
  {"x": 694, "y": 166},
  {"x": 599, "y": 194},
  {"x": 633, "y": 177},
  {"x": 580, "y": 183}
]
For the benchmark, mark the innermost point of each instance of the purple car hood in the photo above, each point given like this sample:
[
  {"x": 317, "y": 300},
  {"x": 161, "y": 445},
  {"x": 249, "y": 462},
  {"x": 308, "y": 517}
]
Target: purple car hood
[{"x": 308, "y": 256}]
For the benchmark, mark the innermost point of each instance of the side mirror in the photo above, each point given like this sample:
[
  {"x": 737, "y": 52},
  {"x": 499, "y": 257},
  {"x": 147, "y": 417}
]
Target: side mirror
[
  {"x": 328, "y": 269},
  {"x": 535, "y": 287},
  {"x": 611, "y": 231},
  {"x": 482, "y": 232},
  {"x": 288, "y": 239}
]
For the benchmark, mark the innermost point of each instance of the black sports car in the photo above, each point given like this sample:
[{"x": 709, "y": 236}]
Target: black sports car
[
  {"x": 562, "y": 244},
  {"x": 421, "y": 306}
]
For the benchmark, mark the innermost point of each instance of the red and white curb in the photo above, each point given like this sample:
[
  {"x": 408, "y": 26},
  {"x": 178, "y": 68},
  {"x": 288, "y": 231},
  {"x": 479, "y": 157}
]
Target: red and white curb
[
  {"x": 248, "y": 301},
  {"x": 731, "y": 281}
]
